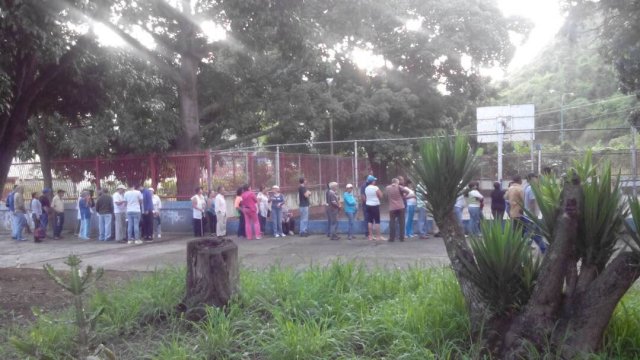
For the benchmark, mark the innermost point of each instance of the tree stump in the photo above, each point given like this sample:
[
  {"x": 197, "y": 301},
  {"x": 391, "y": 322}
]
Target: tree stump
[{"x": 212, "y": 276}]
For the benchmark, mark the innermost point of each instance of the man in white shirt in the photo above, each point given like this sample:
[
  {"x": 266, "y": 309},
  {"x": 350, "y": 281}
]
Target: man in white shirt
[
  {"x": 157, "y": 206},
  {"x": 120, "y": 213},
  {"x": 133, "y": 198},
  {"x": 221, "y": 212}
]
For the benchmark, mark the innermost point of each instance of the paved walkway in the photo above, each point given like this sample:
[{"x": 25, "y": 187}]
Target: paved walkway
[{"x": 293, "y": 251}]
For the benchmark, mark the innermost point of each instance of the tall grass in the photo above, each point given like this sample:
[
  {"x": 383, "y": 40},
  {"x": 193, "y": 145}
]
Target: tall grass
[{"x": 342, "y": 311}]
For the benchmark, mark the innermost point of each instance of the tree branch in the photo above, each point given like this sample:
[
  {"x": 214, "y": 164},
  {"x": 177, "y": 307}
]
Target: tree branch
[{"x": 242, "y": 139}]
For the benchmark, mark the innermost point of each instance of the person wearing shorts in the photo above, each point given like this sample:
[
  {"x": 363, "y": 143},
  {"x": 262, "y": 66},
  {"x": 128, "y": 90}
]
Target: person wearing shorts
[{"x": 372, "y": 203}]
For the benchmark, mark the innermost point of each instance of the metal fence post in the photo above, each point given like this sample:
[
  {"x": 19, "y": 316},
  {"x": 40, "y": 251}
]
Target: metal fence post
[
  {"x": 246, "y": 168},
  {"x": 320, "y": 170},
  {"x": 355, "y": 158},
  {"x": 278, "y": 165}
]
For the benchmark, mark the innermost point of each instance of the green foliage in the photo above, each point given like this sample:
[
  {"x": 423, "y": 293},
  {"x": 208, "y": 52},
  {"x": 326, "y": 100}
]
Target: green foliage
[
  {"x": 547, "y": 192},
  {"x": 504, "y": 269},
  {"x": 602, "y": 216},
  {"x": 445, "y": 166},
  {"x": 77, "y": 284}
]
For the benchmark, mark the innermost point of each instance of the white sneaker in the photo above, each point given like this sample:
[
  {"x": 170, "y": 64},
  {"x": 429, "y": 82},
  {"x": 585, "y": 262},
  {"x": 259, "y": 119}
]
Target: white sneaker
[
  {"x": 277, "y": 235},
  {"x": 138, "y": 242},
  {"x": 159, "y": 236},
  {"x": 130, "y": 242},
  {"x": 283, "y": 235}
]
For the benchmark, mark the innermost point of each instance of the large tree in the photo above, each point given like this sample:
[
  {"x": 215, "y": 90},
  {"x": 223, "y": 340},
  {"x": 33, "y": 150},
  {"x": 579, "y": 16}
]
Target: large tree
[{"x": 40, "y": 40}]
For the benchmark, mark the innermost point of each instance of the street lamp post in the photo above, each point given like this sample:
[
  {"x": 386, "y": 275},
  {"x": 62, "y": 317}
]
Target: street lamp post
[
  {"x": 562, "y": 116},
  {"x": 329, "y": 81}
]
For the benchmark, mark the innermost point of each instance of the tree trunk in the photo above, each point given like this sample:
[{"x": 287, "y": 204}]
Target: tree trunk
[
  {"x": 44, "y": 153},
  {"x": 212, "y": 276},
  {"x": 10, "y": 140}
]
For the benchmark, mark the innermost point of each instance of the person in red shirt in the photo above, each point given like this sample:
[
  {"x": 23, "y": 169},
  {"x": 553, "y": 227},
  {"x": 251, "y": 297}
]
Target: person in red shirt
[{"x": 249, "y": 206}]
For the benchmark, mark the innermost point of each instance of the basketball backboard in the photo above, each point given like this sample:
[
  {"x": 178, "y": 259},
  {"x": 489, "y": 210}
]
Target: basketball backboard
[{"x": 518, "y": 122}]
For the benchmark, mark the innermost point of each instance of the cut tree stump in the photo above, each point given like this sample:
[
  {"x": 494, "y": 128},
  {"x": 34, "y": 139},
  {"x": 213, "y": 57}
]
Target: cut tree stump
[{"x": 212, "y": 276}]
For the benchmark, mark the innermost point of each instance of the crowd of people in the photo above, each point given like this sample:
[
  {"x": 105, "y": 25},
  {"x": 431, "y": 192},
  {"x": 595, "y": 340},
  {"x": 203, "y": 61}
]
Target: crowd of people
[{"x": 136, "y": 211}]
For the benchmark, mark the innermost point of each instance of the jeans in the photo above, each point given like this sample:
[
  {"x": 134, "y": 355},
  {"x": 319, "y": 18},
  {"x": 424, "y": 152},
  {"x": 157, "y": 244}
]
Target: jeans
[
  {"x": 474, "y": 214},
  {"x": 530, "y": 229},
  {"x": 133, "y": 225},
  {"x": 147, "y": 224},
  {"x": 333, "y": 221},
  {"x": 211, "y": 221},
  {"x": 121, "y": 227},
  {"x": 396, "y": 215},
  {"x": 198, "y": 227},
  {"x": 276, "y": 219},
  {"x": 304, "y": 219},
  {"x": 422, "y": 221},
  {"x": 57, "y": 227},
  {"x": 85, "y": 224},
  {"x": 241, "y": 225},
  {"x": 44, "y": 221},
  {"x": 351, "y": 217},
  {"x": 104, "y": 227},
  {"x": 19, "y": 222},
  {"x": 156, "y": 219},
  {"x": 411, "y": 210},
  {"x": 263, "y": 223},
  {"x": 458, "y": 212}
]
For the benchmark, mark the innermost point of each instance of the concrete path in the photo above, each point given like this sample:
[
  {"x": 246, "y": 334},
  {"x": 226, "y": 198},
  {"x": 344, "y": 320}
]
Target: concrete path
[{"x": 291, "y": 251}]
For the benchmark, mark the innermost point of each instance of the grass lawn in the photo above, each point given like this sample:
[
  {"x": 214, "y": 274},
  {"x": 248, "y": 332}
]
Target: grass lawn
[{"x": 343, "y": 311}]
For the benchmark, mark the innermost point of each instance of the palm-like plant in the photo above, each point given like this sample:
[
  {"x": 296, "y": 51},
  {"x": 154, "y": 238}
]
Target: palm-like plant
[
  {"x": 445, "y": 167},
  {"x": 504, "y": 268}
]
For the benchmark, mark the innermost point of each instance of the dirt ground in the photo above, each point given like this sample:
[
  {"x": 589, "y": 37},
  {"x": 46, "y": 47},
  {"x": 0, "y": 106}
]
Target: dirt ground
[{"x": 22, "y": 289}]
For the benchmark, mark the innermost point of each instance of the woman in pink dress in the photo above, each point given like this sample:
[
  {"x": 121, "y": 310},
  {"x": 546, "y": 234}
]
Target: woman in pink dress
[{"x": 250, "y": 210}]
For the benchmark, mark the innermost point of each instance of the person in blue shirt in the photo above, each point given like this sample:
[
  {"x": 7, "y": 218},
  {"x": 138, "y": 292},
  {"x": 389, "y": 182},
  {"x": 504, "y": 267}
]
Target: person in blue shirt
[
  {"x": 350, "y": 208},
  {"x": 11, "y": 208},
  {"x": 147, "y": 213},
  {"x": 277, "y": 200}
]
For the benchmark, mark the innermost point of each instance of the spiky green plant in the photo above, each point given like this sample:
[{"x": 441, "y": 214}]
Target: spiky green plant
[
  {"x": 443, "y": 187},
  {"x": 504, "y": 268},
  {"x": 547, "y": 192},
  {"x": 77, "y": 284},
  {"x": 602, "y": 215}
]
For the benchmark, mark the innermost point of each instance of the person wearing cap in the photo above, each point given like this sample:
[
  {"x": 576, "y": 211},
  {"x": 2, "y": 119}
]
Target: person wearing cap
[
  {"x": 58, "y": 210},
  {"x": 104, "y": 208},
  {"x": 276, "y": 199},
  {"x": 303, "y": 206},
  {"x": 157, "y": 205},
  {"x": 120, "y": 213},
  {"x": 373, "y": 197},
  {"x": 350, "y": 208},
  {"x": 46, "y": 208}
]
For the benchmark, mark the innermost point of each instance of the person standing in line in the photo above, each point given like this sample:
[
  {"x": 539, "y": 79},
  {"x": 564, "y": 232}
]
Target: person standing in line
[
  {"x": 237, "y": 204},
  {"x": 395, "y": 194},
  {"x": 157, "y": 206},
  {"x": 85, "y": 215},
  {"x": 250, "y": 212},
  {"x": 497, "y": 202},
  {"x": 221, "y": 212},
  {"x": 147, "y": 213},
  {"x": 19, "y": 213},
  {"x": 303, "y": 205},
  {"x": 473, "y": 198},
  {"x": 120, "y": 213},
  {"x": 9, "y": 202},
  {"x": 212, "y": 222},
  {"x": 411, "y": 202},
  {"x": 515, "y": 198},
  {"x": 58, "y": 210},
  {"x": 373, "y": 197},
  {"x": 263, "y": 208},
  {"x": 198, "y": 204},
  {"x": 133, "y": 199},
  {"x": 333, "y": 210},
  {"x": 46, "y": 209},
  {"x": 104, "y": 208},
  {"x": 277, "y": 200},
  {"x": 36, "y": 215},
  {"x": 363, "y": 203},
  {"x": 350, "y": 208},
  {"x": 421, "y": 206},
  {"x": 531, "y": 205},
  {"x": 458, "y": 208}
]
